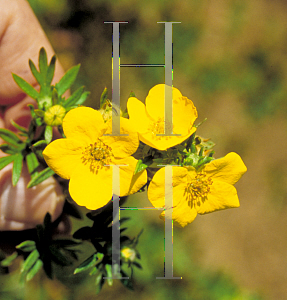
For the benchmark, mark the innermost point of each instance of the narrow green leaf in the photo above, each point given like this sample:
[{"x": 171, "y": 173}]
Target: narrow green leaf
[
  {"x": 39, "y": 113},
  {"x": 6, "y": 160},
  {"x": 74, "y": 97},
  {"x": 127, "y": 282},
  {"x": 36, "y": 73},
  {"x": 94, "y": 271},
  {"x": 43, "y": 65},
  {"x": 67, "y": 80},
  {"x": 10, "y": 137},
  {"x": 83, "y": 98},
  {"x": 26, "y": 87},
  {"x": 20, "y": 128},
  {"x": 88, "y": 263},
  {"x": 9, "y": 149},
  {"x": 40, "y": 143},
  {"x": 51, "y": 70},
  {"x": 143, "y": 164},
  {"x": 34, "y": 270},
  {"x": 32, "y": 162},
  {"x": 30, "y": 261},
  {"x": 17, "y": 168},
  {"x": 48, "y": 134},
  {"x": 27, "y": 246},
  {"x": 109, "y": 274},
  {"x": 104, "y": 97},
  {"x": 9, "y": 260},
  {"x": 43, "y": 175},
  {"x": 137, "y": 265}
]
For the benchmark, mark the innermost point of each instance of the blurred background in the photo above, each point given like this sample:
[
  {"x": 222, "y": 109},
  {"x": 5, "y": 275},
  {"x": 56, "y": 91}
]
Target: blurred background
[{"x": 230, "y": 59}]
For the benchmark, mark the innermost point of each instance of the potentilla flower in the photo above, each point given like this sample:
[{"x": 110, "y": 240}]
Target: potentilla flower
[
  {"x": 206, "y": 190},
  {"x": 86, "y": 157},
  {"x": 148, "y": 119}
]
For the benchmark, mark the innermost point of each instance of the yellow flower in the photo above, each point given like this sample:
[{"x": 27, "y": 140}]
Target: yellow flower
[
  {"x": 149, "y": 120},
  {"x": 202, "y": 192},
  {"x": 86, "y": 155}
]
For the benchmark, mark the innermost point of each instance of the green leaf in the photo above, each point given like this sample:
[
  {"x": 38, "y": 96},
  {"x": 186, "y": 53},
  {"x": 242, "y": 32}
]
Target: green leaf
[
  {"x": 36, "y": 73},
  {"x": 34, "y": 270},
  {"x": 20, "y": 128},
  {"x": 9, "y": 260},
  {"x": 43, "y": 175},
  {"x": 43, "y": 65},
  {"x": 127, "y": 282},
  {"x": 51, "y": 70},
  {"x": 32, "y": 163},
  {"x": 17, "y": 168},
  {"x": 132, "y": 94},
  {"x": 67, "y": 80},
  {"x": 48, "y": 134},
  {"x": 30, "y": 260},
  {"x": 9, "y": 149},
  {"x": 73, "y": 98},
  {"x": 104, "y": 97},
  {"x": 6, "y": 160},
  {"x": 83, "y": 98},
  {"x": 10, "y": 137},
  {"x": 88, "y": 263},
  {"x": 137, "y": 265},
  {"x": 109, "y": 274},
  {"x": 143, "y": 164},
  {"x": 27, "y": 246},
  {"x": 40, "y": 143},
  {"x": 39, "y": 113},
  {"x": 25, "y": 86}
]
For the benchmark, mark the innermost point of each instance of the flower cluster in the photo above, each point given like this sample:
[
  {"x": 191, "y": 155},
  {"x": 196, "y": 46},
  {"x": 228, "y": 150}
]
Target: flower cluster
[{"x": 87, "y": 155}]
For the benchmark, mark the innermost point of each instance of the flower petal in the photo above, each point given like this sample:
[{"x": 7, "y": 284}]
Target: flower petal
[
  {"x": 162, "y": 142},
  {"x": 63, "y": 156},
  {"x": 229, "y": 168},
  {"x": 130, "y": 183},
  {"x": 90, "y": 189},
  {"x": 155, "y": 100},
  {"x": 183, "y": 213},
  {"x": 84, "y": 123},
  {"x": 138, "y": 115},
  {"x": 184, "y": 115},
  {"x": 222, "y": 195},
  {"x": 122, "y": 145}
]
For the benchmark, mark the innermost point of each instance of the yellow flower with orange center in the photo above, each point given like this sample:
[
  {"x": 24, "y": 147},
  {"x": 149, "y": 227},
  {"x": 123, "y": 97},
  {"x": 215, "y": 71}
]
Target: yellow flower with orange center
[
  {"x": 87, "y": 155},
  {"x": 149, "y": 119},
  {"x": 199, "y": 192}
]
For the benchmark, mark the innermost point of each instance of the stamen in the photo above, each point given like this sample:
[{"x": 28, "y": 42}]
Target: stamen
[
  {"x": 97, "y": 155},
  {"x": 197, "y": 189},
  {"x": 158, "y": 127}
]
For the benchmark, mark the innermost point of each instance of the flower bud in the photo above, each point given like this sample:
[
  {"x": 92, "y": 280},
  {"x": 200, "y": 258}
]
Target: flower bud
[
  {"x": 54, "y": 115},
  {"x": 128, "y": 254}
]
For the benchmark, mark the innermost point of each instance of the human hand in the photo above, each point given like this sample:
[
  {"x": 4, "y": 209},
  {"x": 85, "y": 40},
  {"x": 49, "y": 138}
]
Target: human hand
[{"x": 21, "y": 38}]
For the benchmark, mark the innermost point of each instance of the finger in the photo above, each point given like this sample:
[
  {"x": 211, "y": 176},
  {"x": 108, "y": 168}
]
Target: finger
[{"x": 21, "y": 38}]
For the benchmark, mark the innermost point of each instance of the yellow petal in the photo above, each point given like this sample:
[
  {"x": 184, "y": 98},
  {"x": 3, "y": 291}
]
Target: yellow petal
[
  {"x": 222, "y": 195},
  {"x": 130, "y": 183},
  {"x": 137, "y": 115},
  {"x": 63, "y": 156},
  {"x": 122, "y": 145},
  {"x": 90, "y": 189},
  {"x": 162, "y": 142},
  {"x": 184, "y": 115},
  {"x": 182, "y": 213},
  {"x": 228, "y": 169},
  {"x": 155, "y": 100},
  {"x": 84, "y": 123}
]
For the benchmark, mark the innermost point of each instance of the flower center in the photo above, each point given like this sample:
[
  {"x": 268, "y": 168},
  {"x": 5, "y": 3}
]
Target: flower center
[
  {"x": 197, "y": 189},
  {"x": 97, "y": 155},
  {"x": 158, "y": 127}
]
